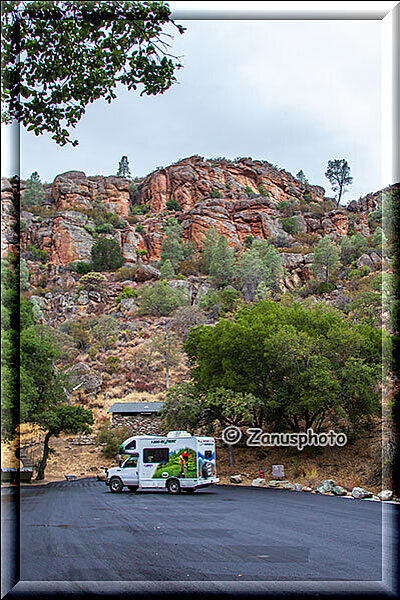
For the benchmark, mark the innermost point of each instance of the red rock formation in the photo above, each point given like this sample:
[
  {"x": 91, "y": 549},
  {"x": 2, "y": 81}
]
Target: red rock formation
[
  {"x": 68, "y": 235},
  {"x": 73, "y": 190},
  {"x": 194, "y": 179}
]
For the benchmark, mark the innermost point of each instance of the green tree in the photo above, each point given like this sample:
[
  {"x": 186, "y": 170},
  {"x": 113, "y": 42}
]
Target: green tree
[
  {"x": 221, "y": 264},
  {"x": 87, "y": 49},
  {"x": 166, "y": 345},
  {"x": 123, "y": 168},
  {"x": 161, "y": 299},
  {"x": 111, "y": 437},
  {"x": 59, "y": 419},
  {"x": 106, "y": 255},
  {"x": 326, "y": 259},
  {"x": 262, "y": 263},
  {"x": 43, "y": 390},
  {"x": 301, "y": 176},
  {"x": 183, "y": 319},
  {"x": 294, "y": 360},
  {"x": 209, "y": 241},
  {"x": 167, "y": 270},
  {"x": 171, "y": 248},
  {"x": 105, "y": 331},
  {"x": 34, "y": 191},
  {"x": 182, "y": 408},
  {"x": 338, "y": 174},
  {"x": 23, "y": 275}
]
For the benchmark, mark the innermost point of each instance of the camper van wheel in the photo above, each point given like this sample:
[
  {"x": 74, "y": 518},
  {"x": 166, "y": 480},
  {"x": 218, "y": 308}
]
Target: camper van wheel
[
  {"x": 133, "y": 488},
  {"x": 116, "y": 485},
  {"x": 173, "y": 486}
]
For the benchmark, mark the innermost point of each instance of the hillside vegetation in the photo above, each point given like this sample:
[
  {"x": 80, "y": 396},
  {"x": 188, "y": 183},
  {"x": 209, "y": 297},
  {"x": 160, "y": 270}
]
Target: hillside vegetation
[{"x": 232, "y": 290}]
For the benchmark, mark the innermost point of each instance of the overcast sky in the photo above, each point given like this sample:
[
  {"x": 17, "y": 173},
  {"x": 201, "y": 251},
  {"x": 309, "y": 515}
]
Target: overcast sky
[{"x": 295, "y": 93}]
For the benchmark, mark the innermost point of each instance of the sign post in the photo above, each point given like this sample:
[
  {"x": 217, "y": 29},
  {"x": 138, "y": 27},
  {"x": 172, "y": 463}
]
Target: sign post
[{"x": 278, "y": 471}]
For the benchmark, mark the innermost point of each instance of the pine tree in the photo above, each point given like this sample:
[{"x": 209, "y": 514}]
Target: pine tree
[
  {"x": 301, "y": 176},
  {"x": 34, "y": 191},
  {"x": 171, "y": 248},
  {"x": 326, "y": 259},
  {"x": 167, "y": 270},
  {"x": 221, "y": 264},
  {"x": 338, "y": 173},
  {"x": 210, "y": 241},
  {"x": 123, "y": 168}
]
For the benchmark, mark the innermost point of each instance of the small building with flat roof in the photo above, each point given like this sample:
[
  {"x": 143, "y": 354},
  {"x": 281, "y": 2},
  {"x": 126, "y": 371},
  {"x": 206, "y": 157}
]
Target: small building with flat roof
[{"x": 143, "y": 418}]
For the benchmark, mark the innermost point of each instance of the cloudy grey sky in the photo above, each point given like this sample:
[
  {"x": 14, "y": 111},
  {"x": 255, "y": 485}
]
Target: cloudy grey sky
[{"x": 295, "y": 93}]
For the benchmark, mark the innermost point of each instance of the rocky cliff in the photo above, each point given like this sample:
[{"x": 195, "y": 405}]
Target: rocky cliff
[{"x": 239, "y": 198}]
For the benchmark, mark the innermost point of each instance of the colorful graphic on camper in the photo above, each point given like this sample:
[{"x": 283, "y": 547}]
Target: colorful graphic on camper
[{"x": 181, "y": 463}]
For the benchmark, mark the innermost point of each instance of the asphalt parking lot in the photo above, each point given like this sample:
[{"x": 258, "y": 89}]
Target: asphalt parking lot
[{"x": 80, "y": 531}]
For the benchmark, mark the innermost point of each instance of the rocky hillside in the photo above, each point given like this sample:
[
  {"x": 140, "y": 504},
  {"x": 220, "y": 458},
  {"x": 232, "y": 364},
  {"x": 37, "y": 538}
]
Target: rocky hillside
[{"x": 241, "y": 199}]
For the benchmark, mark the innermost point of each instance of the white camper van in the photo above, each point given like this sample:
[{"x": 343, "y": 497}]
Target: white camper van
[{"x": 176, "y": 462}]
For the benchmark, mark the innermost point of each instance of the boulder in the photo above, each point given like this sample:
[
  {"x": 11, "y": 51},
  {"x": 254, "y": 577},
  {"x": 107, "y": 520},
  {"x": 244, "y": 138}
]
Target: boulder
[
  {"x": 258, "y": 481},
  {"x": 298, "y": 487},
  {"x": 90, "y": 379},
  {"x": 95, "y": 296},
  {"x": 385, "y": 495},
  {"x": 364, "y": 261},
  {"x": 40, "y": 301},
  {"x": 236, "y": 479},
  {"x": 326, "y": 487},
  {"x": 128, "y": 304},
  {"x": 338, "y": 490},
  {"x": 359, "y": 493},
  {"x": 181, "y": 284},
  {"x": 83, "y": 298},
  {"x": 307, "y": 489},
  {"x": 288, "y": 486},
  {"x": 376, "y": 259},
  {"x": 145, "y": 273}
]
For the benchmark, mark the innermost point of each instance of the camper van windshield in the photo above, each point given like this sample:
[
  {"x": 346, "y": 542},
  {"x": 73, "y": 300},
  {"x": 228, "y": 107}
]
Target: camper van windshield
[{"x": 155, "y": 455}]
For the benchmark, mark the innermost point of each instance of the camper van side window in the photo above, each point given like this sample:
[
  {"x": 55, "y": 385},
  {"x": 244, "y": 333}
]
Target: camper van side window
[
  {"x": 131, "y": 445},
  {"x": 155, "y": 455}
]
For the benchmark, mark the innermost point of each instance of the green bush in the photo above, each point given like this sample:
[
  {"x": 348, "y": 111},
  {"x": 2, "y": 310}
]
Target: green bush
[
  {"x": 140, "y": 228},
  {"x": 307, "y": 197},
  {"x": 112, "y": 437},
  {"x": 112, "y": 364},
  {"x": 286, "y": 207},
  {"x": 140, "y": 209},
  {"x": 37, "y": 255},
  {"x": 248, "y": 190},
  {"x": 125, "y": 273},
  {"x": 81, "y": 267},
  {"x": 248, "y": 241},
  {"x": 127, "y": 292},
  {"x": 325, "y": 287},
  {"x": 263, "y": 190},
  {"x": 104, "y": 228},
  {"x": 289, "y": 224},
  {"x": 216, "y": 194},
  {"x": 92, "y": 281},
  {"x": 173, "y": 205},
  {"x": 161, "y": 299},
  {"x": 106, "y": 255}
]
